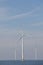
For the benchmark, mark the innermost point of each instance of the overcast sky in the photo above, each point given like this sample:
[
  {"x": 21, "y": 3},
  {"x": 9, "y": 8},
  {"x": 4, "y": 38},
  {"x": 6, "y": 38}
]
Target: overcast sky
[{"x": 17, "y": 16}]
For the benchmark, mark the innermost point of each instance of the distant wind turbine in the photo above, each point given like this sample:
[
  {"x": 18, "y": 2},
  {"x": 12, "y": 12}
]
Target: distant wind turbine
[
  {"x": 15, "y": 54},
  {"x": 35, "y": 50},
  {"x": 35, "y": 53}
]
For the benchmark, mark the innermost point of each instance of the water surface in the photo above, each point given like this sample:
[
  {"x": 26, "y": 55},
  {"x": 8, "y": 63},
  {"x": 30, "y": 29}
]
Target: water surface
[{"x": 26, "y": 62}]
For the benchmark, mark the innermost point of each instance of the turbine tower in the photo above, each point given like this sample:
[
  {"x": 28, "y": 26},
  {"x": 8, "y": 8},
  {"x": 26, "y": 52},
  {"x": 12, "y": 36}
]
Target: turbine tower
[{"x": 22, "y": 48}]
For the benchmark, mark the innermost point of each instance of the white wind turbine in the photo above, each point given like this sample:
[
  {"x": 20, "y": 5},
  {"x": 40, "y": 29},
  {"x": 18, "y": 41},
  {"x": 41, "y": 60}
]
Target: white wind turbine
[
  {"x": 22, "y": 39},
  {"x": 21, "y": 34},
  {"x": 15, "y": 54},
  {"x": 35, "y": 50},
  {"x": 35, "y": 53}
]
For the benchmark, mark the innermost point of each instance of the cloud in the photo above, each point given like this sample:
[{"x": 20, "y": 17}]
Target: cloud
[
  {"x": 5, "y": 11},
  {"x": 37, "y": 24},
  {"x": 24, "y": 14},
  {"x": 2, "y": 0}
]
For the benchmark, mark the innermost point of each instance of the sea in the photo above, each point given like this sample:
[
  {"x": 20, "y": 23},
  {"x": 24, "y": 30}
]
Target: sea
[{"x": 25, "y": 62}]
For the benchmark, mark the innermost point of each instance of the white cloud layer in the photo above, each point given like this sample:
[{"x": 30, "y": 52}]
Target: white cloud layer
[
  {"x": 5, "y": 11},
  {"x": 37, "y": 24}
]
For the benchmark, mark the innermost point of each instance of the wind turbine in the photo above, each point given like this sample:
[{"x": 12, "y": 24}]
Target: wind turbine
[
  {"x": 22, "y": 39},
  {"x": 35, "y": 53},
  {"x": 15, "y": 54},
  {"x": 35, "y": 50}
]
